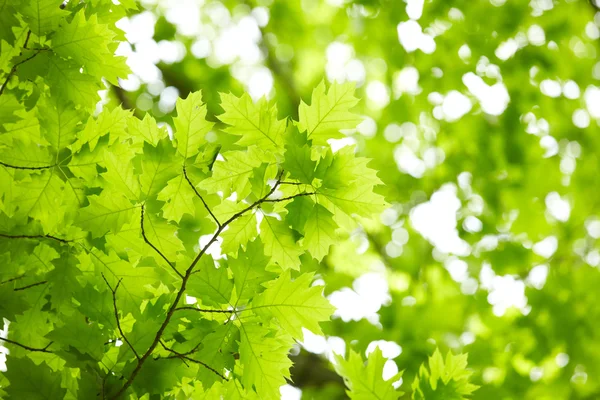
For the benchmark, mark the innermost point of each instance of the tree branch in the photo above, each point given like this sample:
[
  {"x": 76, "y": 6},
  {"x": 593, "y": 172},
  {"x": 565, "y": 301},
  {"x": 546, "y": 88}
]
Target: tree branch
[
  {"x": 40, "y": 350},
  {"x": 188, "y": 274},
  {"x": 205, "y": 310},
  {"x": 289, "y": 197},
  {"x": 184, "y": 357},
  {"x": 154, "y": 247},
  {"x": 26, "y": 168},
  {"x": 114, "y": 297},
  {"x": 34, "y": 237},
  {"x": 201, "y": 198},
  {"x": 30, "y": 286},
  {"x": 14, "y": 67},
  {"x": 12, "y": 279}
]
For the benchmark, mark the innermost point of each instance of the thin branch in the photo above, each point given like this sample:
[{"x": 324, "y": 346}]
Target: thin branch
[
  {"x": 40, "y": 350},
  {"x": 30, "y": 286},
  {"x": 34, "y": 237},
  {"x": 26, "y": 168},
  {"x": 204, "y": 310},
  {"x": 201, "y": 198},
  {"x": 12, "y": 279},
  {"x": 114, "y": 297},
  {"x": 183, "y": 357},
  {"x": 179, "y": 295},
  {"x": 292, "y": 183},
  {"x": 290, "y": 197},
  {"x": 14, "y": 67},
  {"x": 154, "y": 247}
]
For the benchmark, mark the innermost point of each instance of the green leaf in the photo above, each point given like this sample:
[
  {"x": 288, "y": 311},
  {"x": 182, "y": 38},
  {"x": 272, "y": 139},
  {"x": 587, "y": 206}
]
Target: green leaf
[
  {"x": 298, "y": 162},
  {"x": 211, "y": 285},
  {"x": 256, "y": 123},
  {"x": 279, "y": 243},
  {"x": 328, "y": 113},
  {"x": 32, "y": 382},
  {"x": 295, "y": 304},
  {"x": 120, "y": 176},
  {"x": 319, "y": 232},
  {"x": 113, "y": 122},
  {"x": 107, "y": 212},
  {"x": 146, "y": 130},
  {"x": 87, "y": 42},
  {"x": 179, "y": 199},
  {"x": 40, "y": 197},
  {"x": 58, "y": 120},
  {"x": 191, "y": 125},
  {"x": 159, "y": 165},
  {"x": 43, "y": 16},
  {"x": 444, "y": 380},
  {"x": 239, "y": 233},
  {"x": 234, "y": 173},
  {"x": 163, "y": 235},
  {"x": 249, "y": 271},
  {"x": 366, "y": 382},
  {"x": 265, "y": 360}
]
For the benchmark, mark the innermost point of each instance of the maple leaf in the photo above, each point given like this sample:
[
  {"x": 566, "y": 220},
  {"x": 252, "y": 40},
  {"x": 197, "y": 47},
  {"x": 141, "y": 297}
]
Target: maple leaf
[
  {"x": 328, "y": 112},
  {"x": 366, "y": 382},
  {"x": 264, "y": 356},
  {"x": 256, "y": 123},
  {"x": 279, "y": 243},
  {"x": 443, "y": 380},
  {"x": 42, "y": 16},
  {"x": 294, "y": 303},
  {"x": 190, "y": 124}
]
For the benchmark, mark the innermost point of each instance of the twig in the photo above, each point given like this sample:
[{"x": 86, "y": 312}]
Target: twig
[
  {"x": 34, "y": 237},
  {"x": 41, "y": 350},
  {"x": 201, "y": 198},
  {"x": 154, "y": 247},
  {"x": 290, "y": 197},
  {"x": 205, "y": 310},
  {"x": 12, "y": 279},
  {"x": 179, "y": 295},
  {"x": 183, "y": 357},
  {"x": 27, "y": 168},
  {"x": 30, "y": 286},
  {"x": 114, "y": 297},
  {"x": 14, "y": 67}
]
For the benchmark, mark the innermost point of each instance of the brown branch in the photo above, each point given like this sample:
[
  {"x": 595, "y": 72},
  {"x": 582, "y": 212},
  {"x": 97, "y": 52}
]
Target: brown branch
[
  {"x": 40, "y": 350},
  {"x": 201, "y": 198},
  {"x": 114, "y": 298},
  {"x": 14, "y": 67},
  {"x": 184, "y": 357},
  {"x": 154, "y": 247},
  {"x": 26, "y": 168},
  {"x": 34, "y": 237},
  {"x": 179, "y": 295},
  {"x": 30, "y": 286},
  {"x": 12, "y": 279},
  {"x": 289, "y": 197},
  {"x": 204, "y": 310},
  {"x": 292, "y": 183}
]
